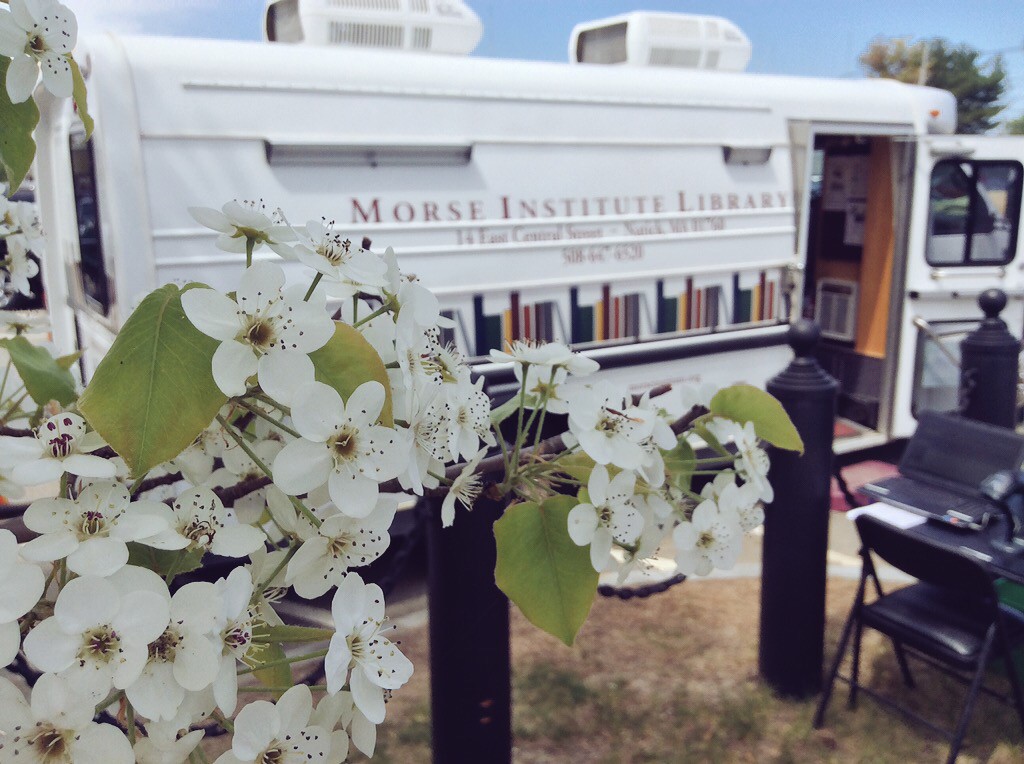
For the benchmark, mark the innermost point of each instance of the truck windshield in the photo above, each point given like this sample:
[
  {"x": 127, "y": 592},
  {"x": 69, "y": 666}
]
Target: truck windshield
[{"x": 975, "y": 212}]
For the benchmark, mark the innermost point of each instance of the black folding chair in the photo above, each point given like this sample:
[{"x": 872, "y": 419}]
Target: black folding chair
[{"x": 950, "y": 618}]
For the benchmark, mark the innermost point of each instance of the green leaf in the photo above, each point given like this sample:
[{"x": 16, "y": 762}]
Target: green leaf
[
  {"x": 746, "y": 403},
  {"x": 275, "y": 676},
  {"x": 542, "y": 570},
  {"x": 679, "y": 463},
  {"x": 69, "y": 360},
  {"x": 286, "y": 633},
  {"x": 162, "y": 561},
  {"x": 78, "y": 94},
  {"x": 17, "y": 121},
  {"x": 505, "y": 410},
  {"x": 153, "y": 392},
  {"x": 348, "y": 360},
  {"x": 44, "y": 377},
  {"x": 577, "y": 466}
]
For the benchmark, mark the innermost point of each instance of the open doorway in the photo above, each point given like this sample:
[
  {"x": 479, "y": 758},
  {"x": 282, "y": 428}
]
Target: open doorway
[{"x": 849, "y": 272}]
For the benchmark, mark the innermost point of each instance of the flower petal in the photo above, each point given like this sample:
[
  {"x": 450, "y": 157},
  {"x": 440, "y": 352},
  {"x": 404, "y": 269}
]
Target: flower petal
[
  {"x": 214, "y": 219},
  {"x": 101, "y": 744},
  {"x": 283, "y": 372},
  {"x": 98, "y": 557},
  {"x": 301, "y": 466},
  {"x": 10, "y": 641},
  {"x": 56, "y": 73},
  {"x": 22, "y": 76},
  {"x": 318, "y": 411},
  {"x": 582, "y": 524},
  {"x": 233, "y": 363},
  {"x": 256, "y": 726},
  {"x": 49, "y": 649},
  {"x": 211, "y": 312},
  {"x": 237, "y": 540},
  {"x": 368, "y": 697}
]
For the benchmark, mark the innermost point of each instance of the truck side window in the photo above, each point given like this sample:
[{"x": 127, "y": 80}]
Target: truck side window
[
  {"x": 974, "y": 213},
  {"x": 92, "y": 270}
]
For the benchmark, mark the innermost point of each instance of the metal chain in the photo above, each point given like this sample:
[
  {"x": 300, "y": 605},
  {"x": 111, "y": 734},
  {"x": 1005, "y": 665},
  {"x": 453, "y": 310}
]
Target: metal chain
[{"x": 640, "y": 592}]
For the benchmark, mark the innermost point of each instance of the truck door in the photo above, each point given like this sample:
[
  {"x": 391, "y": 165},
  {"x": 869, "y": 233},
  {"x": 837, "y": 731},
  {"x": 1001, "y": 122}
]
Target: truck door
[{"x": 963, "y": 238}]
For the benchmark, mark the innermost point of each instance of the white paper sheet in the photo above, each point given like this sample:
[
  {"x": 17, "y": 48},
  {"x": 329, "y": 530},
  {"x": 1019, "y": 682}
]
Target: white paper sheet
[{"x": 887, "y": 513}]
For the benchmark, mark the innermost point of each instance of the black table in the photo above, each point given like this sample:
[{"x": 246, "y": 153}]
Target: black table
[{"x": 979, "y": 544}]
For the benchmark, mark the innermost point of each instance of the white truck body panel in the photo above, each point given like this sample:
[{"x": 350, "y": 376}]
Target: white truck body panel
[{"x": 584, "y": 204}]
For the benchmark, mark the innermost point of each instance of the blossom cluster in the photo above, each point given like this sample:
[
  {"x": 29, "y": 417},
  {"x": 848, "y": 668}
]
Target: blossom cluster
[
  {"x": 294, "y": 486},
  {"x": 21, "y": 236}
]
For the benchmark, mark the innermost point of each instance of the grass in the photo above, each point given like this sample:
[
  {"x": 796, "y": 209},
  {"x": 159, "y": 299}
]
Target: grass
[{"x": 674, "y": 679}]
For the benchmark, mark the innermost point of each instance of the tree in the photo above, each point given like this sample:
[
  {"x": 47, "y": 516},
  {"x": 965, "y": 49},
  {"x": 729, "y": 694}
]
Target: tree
[
  {"x": 1014, "y": 126},
  {"x": 977, "y": 85}
]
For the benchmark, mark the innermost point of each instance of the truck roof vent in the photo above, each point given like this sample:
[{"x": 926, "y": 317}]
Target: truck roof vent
[
  {"x": 661, "y": 39},
  {"x": 366, "y": 35},
  {"x": 368, "y": 5},
  {"x": 433, "y": 26}
]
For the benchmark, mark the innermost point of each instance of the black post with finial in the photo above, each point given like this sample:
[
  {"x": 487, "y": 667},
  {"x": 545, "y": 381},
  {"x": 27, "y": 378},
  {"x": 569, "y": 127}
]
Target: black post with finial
[
  {"x": 470, "y": 659},
  {"x": 793, "y": 562},
  {"x": 989, "y": 366}
]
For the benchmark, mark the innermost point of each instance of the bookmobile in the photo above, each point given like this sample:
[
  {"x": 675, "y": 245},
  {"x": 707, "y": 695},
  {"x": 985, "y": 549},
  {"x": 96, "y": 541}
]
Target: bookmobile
[{"x": 648, "y": 195}]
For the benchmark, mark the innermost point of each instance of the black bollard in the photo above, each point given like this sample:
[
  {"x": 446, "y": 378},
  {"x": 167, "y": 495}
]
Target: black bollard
[
  {"x": 796, "y": 526},
  {"x": 989, "y": 366},
  {"x": 470, "y": 663}
]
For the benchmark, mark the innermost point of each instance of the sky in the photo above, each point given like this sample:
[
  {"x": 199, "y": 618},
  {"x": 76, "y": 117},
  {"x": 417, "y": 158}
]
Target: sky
[{"x": 800, "y": 37}]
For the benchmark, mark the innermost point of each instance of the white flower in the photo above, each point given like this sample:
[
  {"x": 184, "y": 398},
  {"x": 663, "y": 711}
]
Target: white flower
[
  {"x": 348, "y": 269},
  {"x": 185, "y": 657},
  {"x": 340, "y": 711},
  {"x": 20, "y": 267},
  {"x": 341, "y": 543},
  {"x": 342, "y": 446},
  {"x": 91, "y": 530},
  {"x": 428, "y": 447},
  {"x": 37, "y": 34},
  {"x": 61, "y": 445},
  {"x": 196, "y": 462},
  {"x": 544, "y": 386},
  {"x": 239, "y": 221},
  {"x": 465, "y": 489},
  {"x": 56, "y": 727},
  {"x": 549, "y": 354},
  {"x": 695, "y": 395},
  {"x": 199, "y": 520},
  {"x": 712, "y": 539},
  {"x": 21, "y": 586},
  {"x": 97, "y": 637},
  {"x": 264, "y": 331},
  {"x": 195, "y": 707},
  {"x": 418, "y": 307},
  {"x": 662, "y": 439},
  {"x": 281, "y": 733},
  {"x": 20, "y": 322},
  {"x": 609, "y": 431},
  {"x": 608, "y": 518},
  {"x": 742, "y": 500},
  {"x": 465, "y": 413},
  {"x": 158, "y": 750},
  {"x": 235, "y": 622},
  {"x": 376, "y": 664},
  {"x": 753, "y": 461},
  {"x": 240, "y": 467}
]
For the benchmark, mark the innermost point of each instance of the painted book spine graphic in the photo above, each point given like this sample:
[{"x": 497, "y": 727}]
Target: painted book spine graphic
[{"x": 604, "y": 313}]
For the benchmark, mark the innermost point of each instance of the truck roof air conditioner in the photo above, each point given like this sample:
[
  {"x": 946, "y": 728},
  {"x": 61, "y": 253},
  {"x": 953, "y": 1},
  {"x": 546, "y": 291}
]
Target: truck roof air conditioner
[
  {"x": 645, "y": 38},
  {"x": 425, "y": 26}
]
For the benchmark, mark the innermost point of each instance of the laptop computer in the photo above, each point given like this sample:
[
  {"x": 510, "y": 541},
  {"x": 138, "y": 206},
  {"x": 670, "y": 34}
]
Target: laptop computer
[{"x": 943, "y": 465}]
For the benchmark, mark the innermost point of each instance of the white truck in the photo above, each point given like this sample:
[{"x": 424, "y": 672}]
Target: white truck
[{"x": 664, "y": 201}]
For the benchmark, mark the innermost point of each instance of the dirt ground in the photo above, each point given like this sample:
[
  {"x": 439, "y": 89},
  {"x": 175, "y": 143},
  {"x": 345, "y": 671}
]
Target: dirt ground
[{"x": 674, "y": 679}]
